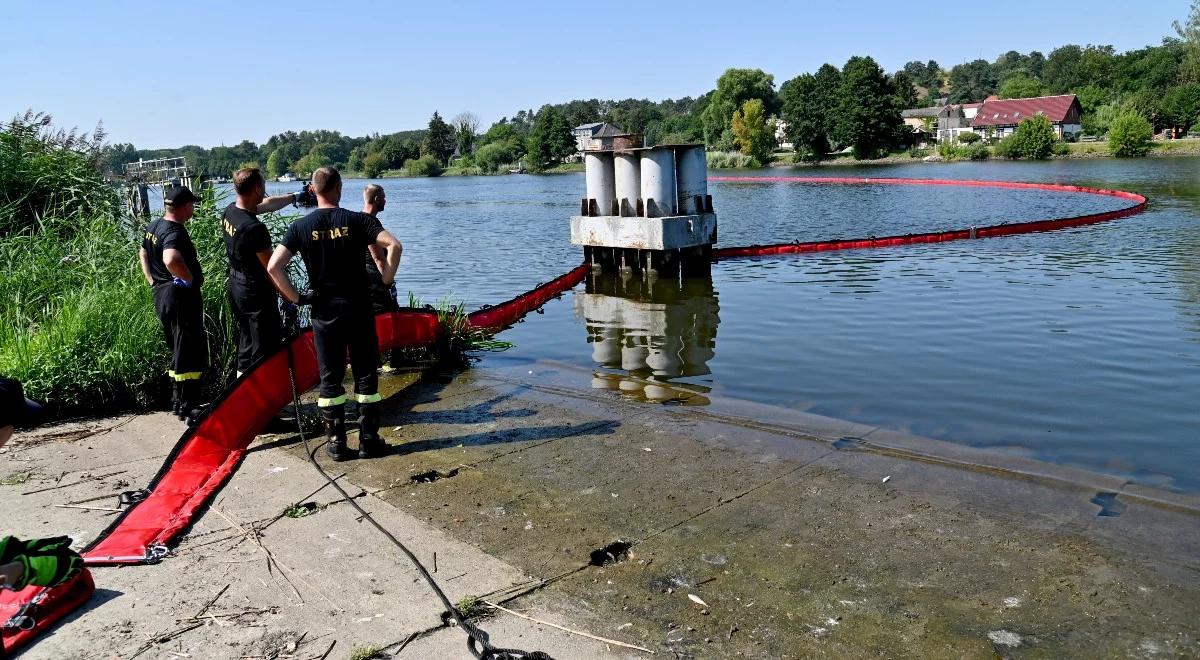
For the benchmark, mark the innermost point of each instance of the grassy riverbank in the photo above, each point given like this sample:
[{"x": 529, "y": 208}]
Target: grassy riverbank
[{"x": 77, "y": 322}]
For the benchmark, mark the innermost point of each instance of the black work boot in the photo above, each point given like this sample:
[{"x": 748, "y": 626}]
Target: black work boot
[
  {"x": 335, "y": 432},
  {"x": 189, "y": 396},
  {"x": 370, "y": 445}
]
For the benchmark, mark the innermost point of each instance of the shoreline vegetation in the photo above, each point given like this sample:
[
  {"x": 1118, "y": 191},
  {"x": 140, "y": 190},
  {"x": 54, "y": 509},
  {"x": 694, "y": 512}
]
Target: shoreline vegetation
[{"x": 731, "y": 161}]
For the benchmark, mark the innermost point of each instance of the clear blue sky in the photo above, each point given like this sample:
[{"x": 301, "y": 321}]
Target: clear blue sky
[{"x": 165, "y": 74}]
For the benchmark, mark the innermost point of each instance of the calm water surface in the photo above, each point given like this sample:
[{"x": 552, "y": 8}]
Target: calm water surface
[{"x": 1079, "y": 346}]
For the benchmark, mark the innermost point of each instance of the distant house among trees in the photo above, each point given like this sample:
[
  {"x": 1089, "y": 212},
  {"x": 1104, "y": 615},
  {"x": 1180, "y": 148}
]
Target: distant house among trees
[
  {"x": 1002, "y": 116},
  {"x": 601, "y": 136},
  {"x": 955, "y": 119},
  {"x": 921, "y": 121}
]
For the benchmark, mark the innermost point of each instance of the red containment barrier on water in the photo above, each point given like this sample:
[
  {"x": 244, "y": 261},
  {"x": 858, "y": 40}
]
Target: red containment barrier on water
[
  {"x": 505, "y": 314},
  {"x": 931, "y": 237},
  {"x": 208, "y": 454}
]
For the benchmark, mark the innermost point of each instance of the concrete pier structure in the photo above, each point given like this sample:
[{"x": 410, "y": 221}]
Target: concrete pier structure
[{"x": 647, "y": 210}]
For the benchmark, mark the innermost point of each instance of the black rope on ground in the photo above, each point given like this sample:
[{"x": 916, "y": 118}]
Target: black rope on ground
[{"x": 477, "y": 642}]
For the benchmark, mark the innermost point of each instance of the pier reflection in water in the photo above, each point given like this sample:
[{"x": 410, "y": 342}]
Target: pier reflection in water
[{"x": 651, "y": 336}]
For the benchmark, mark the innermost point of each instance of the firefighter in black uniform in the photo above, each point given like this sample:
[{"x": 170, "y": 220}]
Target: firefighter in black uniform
[
  {"x": 332, "y": 240},
  {"x": 172, "y": 269},
  {"x": 383, "y": 296},
  {"x": 252, "y": 295}
]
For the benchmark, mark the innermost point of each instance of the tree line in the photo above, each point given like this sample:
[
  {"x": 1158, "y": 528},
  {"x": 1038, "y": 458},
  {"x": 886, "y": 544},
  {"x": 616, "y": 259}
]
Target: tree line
[{"x": 856, "y": 106}]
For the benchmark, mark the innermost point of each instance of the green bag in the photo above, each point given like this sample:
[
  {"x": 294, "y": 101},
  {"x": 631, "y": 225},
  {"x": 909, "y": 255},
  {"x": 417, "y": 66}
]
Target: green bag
[{"x": 45, "y": 562}]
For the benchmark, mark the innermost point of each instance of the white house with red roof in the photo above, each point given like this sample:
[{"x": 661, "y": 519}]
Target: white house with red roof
[{"x": 1000, "y": 117}]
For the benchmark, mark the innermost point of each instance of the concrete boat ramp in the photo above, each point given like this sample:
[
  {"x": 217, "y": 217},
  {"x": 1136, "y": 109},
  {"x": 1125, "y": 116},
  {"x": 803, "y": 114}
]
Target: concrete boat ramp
[{"x": 728, "y": 530}]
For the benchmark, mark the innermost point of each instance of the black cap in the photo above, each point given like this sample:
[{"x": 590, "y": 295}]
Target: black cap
[
  {"x": 176, "y": 195},
  {"x": 15, "y": 409}
]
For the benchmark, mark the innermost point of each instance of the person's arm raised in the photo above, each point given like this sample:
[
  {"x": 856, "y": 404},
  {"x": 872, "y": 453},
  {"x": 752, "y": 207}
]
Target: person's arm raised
[{"x": 272, "y": 204}]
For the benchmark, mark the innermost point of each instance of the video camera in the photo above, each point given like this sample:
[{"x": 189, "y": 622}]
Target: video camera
[{"x": 306, "y": 197}]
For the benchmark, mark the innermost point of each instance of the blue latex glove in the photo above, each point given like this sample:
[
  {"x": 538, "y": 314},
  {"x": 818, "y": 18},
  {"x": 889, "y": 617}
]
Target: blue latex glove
[{"x": 180, "y": 282}]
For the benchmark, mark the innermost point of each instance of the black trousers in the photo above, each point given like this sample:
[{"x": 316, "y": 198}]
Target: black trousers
[
  {"x": 259, "y": 330},
  {"x": 383, "y": 298},
  {"x": 341, "y": 325},
  {"x": 181, "y": 313}
]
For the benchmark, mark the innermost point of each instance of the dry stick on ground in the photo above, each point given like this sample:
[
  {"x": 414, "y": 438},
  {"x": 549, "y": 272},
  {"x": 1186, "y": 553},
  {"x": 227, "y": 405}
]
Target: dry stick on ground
[
  {"x": 75, "y": 483},
  {"x": 168, "y": 636},
  {"x": 408, "y": 640},
  {"x": 73, "y": 436},
  {"x": 282, "y": 566},
  {"x": 94, "y": 499},
  {"x": 568, "y": 630},
  {"x": 89, "y": 508},
  {"x": 270, "y": 556}
]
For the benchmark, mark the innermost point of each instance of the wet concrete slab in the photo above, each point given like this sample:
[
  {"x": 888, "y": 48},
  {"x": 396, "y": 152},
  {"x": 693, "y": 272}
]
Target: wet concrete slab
[{"x": 796, "y": 543}]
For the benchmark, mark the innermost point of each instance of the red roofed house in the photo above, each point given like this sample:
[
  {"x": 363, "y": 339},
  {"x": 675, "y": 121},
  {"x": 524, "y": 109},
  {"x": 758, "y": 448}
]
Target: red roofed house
[{"x": 1002, "y": 116}]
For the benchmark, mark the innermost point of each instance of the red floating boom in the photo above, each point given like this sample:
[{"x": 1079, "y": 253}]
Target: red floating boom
[{"x": 938, "y": 236}]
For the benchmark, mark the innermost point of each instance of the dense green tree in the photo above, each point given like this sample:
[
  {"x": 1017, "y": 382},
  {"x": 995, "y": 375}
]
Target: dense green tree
[
  {"x": 829, "y": 94},
  {"x": 1130, "y": 135},
  {"x": 1092, "y": 96},
  {"x": 466, "y": 126},
  {"x": 734, "y": 88},
  {"x": 755, "y": 135},
  {"x": 1181, "y": 107},
  {"x": 805, "y": 113},
  {"x": 1147, "y": 103},
  {"x": 116, "y": 156},
  {"x": 550, "y": 140},
  {"x": 927, "y": 75},
  {"x": 972, "y": 82},
  {"x": 1098, "y": 121},
  {"x": 439, "y": 139},
  {"x": 276, "y": 165},
  {"x": 493, "y": 155},
  {"x": 1061, "y": 72},
  {"x": 1189, "y": 33},
  {"x": 373, "y": 164},
  {"x": 868, "y": 117},
  {"x": 906, "y": 90},
  {"x": 1022, "y": 87}
]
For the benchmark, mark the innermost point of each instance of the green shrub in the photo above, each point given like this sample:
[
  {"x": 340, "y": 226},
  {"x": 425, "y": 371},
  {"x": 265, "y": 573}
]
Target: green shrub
[
  {"x": 1060, "y": 148},
  {"x": 968, "y": 137},
  {"x": 1129, "y": 135},
  {"x": 731, "y": 160},
  {"x": 950, "y": 151},
  {"x": 423, "y": 166},
  {"x": 373, "y": 164},
  {"x": 1033, "y": 139},
  {"x": 494, "y": 155},
  {"x": 978, "y": 151}
]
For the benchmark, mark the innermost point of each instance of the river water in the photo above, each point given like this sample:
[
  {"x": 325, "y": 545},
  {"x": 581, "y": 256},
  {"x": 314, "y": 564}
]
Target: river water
[{"x": 1080, "y": 346}]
